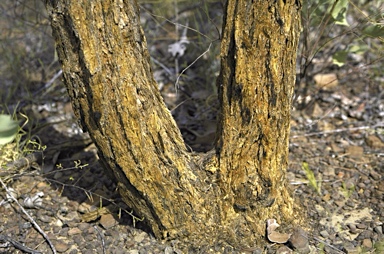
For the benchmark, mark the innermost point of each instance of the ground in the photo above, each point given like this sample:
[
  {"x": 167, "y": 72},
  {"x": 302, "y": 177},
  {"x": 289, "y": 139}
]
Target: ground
[{"x": 336, "y": 168}]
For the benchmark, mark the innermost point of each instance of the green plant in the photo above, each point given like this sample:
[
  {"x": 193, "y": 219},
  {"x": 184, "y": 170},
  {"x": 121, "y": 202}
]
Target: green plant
[
  {"x": 340, "y": 33},
  {"x": 8, "y": 129},
  {"x": 312, "y": 181}
]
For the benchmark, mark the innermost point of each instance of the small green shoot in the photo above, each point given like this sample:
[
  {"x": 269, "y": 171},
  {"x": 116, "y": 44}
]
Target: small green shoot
[
  {"x": 316, "y": 185},
  {"x": 347, "y": 192}
]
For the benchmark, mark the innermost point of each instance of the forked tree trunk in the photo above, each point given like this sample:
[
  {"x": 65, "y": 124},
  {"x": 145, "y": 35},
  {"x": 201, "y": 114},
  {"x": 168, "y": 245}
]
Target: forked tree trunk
[{"x": 225, "y": 195}]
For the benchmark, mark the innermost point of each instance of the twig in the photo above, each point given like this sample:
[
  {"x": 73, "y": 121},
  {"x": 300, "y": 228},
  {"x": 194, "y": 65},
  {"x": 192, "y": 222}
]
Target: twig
[
  {"x": 330, "y": 246},
  {"x": 18, "y": 245},
  {"x": 338, "y": 130},
  {"x": 21, "y": 163},
  {"x": 194, "y": 61},
  {"x": 101, "y": 238},
  {"x": 37, "y": 227}
]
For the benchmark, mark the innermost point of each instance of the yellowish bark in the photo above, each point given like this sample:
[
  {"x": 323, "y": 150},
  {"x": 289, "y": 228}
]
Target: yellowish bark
[{"x": 226, "y": 195}]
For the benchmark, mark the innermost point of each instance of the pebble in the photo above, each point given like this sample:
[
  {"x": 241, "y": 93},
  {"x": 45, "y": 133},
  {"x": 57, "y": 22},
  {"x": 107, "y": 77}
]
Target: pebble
[
  {"x": 324, "y": 234},
  {"x": 74, "y": 231},
  {"x": 83, "y": 226},
  {"x": 355, "y": 152},
  {"x": 59, "y": 223},
  {"x": 61, "y": 247},
  {"x": 140, "y": 237},
  {"x": 107, "y": 221},
  {"x": 374, "y": 142},
  {"x": 376, "y": 176},
  {"x": 299, "y": 240},
  {"x": 379, "y": 230},
  {"x": 352, "y": 228},
  {"x": 64, "y": 232},
  {"x": 283, "y": 250},
  {"x": 365, "y": 234},
  {"x": 367, "y": 243},
  {"x": 45, "y": 218},
  {"x": 349, "y": 248},
  {"x": 361, "y": 226}
]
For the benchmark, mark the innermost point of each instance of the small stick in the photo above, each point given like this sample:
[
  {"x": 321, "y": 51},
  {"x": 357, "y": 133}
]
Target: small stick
[
  {"x": 101, "y": 238},
  {"x": 30, "y": 218},
  {"x": 18, "y": 245}
]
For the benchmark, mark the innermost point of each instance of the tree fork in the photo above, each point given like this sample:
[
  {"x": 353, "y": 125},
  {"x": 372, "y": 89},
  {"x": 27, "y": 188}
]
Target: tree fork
[{"x": 225, "y": 195}]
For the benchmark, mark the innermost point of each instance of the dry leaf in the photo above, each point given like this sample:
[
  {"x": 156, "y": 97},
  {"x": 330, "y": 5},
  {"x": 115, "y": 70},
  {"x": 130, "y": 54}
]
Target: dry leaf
[{"x": 274, "y": 236}]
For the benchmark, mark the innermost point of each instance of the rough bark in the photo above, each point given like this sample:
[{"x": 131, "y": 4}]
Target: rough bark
[{"x": 225, "y": 195}]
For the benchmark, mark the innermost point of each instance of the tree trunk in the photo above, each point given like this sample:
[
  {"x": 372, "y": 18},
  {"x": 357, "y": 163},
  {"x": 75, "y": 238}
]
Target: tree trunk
[{"x": 226, "y": 195}]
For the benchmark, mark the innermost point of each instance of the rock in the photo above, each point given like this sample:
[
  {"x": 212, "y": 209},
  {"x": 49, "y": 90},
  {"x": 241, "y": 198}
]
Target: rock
[
  {"x": 83, "y": 226},
  {"x": 299, "y": 241},
  {"x": 107, "y": 221},
  {"x": 365, "y": 234},
  {"x": 367, "y": 243},
  {"x": 140, "y": 237},
  {"x": 326, "y": 81},
  {"x": 59, "y": 223},
  {"x": 317, "y": 111},
  {"x": 379, "y": 230},
  {"x": 352, "y": 228},
  {"x": 324, "y": 234},
  {"x": 376, "y": 176},
  {"x": 335, "y": 148},
  {"x": 361, "y": 226},
  {"x": 283, "y": 250},
  {"x": 374, "y": 142},
  {"x": 74, "y": 231},
  {"x": 61, "y": 247},
  {"x": 350, "y": 249},
  {"x": 355, "y": 151}
]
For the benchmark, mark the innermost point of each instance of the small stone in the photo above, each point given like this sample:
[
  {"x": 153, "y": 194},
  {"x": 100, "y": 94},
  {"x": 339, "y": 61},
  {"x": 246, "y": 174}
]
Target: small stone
[
  {"x": 326, "y": 197},
  {"x": 133, "y": 252},
  {"x": 350, "y": 203},
  {"x": 355, "y": 151},
  {"x": 335, "y": 148},
  {"x": 74, "y": 231},
  {"x": 329, "y": 171},
  {"x": 283, "y": 250},
  {"x": 361, "y": 226},
  {"x": 376, "y": 176},
  {"x": 42, "y": 185},
  {"x": 299, "y": 241},
  {"x": 365, "y": 234},
  {"x": 367, "y": 243},
  {"x": 379, "y": 230},
  {"x": 56, "y": 229},
  {"x": 350, "y": 249},
  {"x": 374, "y": 142},
  {"x": 140, "y": 237},
  {"x": 61, "y": 247},
  {"x": 59, "y": 223},
  {"x": 324, "y": 234},
  {"x": 107, "y": 221},
  {"x": 326, "y": 81},
  {"x": 352, "y": 228},
  {"x": 83, "y": 226},
  {"x": 45, "y": 218}
]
